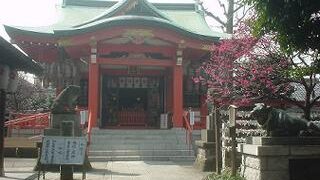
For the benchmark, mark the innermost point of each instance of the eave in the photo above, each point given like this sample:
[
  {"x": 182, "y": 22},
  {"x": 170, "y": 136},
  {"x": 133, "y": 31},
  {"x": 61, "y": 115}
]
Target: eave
[{"x": 11, "y": 56}]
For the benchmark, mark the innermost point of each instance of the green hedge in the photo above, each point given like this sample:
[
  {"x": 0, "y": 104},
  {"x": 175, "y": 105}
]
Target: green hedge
[{"x": 225, "y": 175}]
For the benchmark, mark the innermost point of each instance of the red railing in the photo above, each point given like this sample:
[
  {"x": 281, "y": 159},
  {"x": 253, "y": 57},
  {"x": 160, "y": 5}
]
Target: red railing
[
  {"x": 34, "y": 121},
  {"x": 131, "y": 118},
  {"x": 188, "y": 128}
]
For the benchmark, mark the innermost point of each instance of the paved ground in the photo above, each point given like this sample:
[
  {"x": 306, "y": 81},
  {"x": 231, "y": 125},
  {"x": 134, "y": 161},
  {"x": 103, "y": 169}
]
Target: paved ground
[{"x": 118, "y": 170}]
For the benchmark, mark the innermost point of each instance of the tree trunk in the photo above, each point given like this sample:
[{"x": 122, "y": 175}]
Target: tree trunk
[
  {"x": 229, "y": 25},
  {"x": 307, "y": 113}
]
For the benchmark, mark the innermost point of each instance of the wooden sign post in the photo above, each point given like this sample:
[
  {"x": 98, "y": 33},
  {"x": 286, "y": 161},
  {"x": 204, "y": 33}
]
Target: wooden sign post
[
  {"x": 63, "y": 151},
  {"x": 232, "y": 129},
  {"x": 217, "y": 129}
]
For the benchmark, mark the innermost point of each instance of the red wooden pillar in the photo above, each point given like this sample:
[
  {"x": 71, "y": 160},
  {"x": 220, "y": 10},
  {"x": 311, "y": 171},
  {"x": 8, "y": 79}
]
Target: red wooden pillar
[
  {"x": 169, "y": 102},
  {"x": 178, "y": 94},
  {"x": 203, "y": 111},
  {"x": 93, "y": 96}
]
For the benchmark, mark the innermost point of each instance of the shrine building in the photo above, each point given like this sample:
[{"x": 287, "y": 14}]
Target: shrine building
[{"x": 133, "y": 59}]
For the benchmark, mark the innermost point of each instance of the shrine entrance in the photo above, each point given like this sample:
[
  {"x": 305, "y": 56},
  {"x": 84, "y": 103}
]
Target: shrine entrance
[{"x": 131, "y": 101}]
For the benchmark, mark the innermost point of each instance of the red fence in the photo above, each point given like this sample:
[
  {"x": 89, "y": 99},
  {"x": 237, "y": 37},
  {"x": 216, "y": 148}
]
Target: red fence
[{"x": 34, "y": 121}]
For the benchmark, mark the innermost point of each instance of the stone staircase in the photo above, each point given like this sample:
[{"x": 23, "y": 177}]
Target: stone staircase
[{"x": 140, "y": 145}]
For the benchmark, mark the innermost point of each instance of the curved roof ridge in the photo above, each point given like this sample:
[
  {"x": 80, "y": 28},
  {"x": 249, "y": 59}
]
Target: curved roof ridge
[
  {"x": 119, "y": 6},
  {"x": 118, "y": 20}
]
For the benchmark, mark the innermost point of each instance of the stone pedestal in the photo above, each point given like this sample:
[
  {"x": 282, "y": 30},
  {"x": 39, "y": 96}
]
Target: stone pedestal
[
  {"x": 57, "y": 119},
  {"x": 55, "y": 129},
  {"x": 205, "y": 160},
  {"x": 273, "y": 158},
  {"x": 207, "y": 135}
]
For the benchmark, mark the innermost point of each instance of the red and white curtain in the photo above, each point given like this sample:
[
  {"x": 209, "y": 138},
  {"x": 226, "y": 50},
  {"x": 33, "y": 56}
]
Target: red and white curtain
[{"x": 133, "y": 82}]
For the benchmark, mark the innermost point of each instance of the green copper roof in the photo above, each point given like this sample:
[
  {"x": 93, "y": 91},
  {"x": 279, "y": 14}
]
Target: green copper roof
[
  {"x": 174, "y": 13},
  {"x": 131, "y": 20},
  {"x": 115, "y": 8}
]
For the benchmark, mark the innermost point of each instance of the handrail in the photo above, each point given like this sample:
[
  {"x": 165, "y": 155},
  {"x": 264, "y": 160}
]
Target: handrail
[
  {"x": 188, "y": 128},
  {"x": 26, "y": 119},
  {"x": 34, "y": 121}
]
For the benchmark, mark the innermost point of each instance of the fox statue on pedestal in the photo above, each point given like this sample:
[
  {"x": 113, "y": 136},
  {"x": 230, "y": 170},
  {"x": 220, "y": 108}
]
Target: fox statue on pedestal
[
  {"x": 65, "y": 102},
  {"x": 277, "y": 122}
]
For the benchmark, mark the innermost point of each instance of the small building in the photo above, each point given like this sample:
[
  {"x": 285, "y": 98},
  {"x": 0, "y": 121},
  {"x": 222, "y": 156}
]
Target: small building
[
  {"x": 134, "y": 59},
  {"x": 11, "y": 60}
]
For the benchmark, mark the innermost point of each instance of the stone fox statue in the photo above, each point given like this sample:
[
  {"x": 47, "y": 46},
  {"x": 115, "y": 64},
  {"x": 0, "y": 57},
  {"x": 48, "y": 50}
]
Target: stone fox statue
[
  {"x": 66, "y": 100},
  {"x": 279, "y": 123}
]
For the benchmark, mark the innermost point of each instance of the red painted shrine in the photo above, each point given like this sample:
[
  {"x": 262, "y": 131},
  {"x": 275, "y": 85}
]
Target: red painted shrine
[{"x": 133, "y": 59}]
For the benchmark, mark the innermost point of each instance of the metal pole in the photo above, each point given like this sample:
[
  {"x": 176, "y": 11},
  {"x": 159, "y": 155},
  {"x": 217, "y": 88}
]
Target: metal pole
[{"x": 2, "y": 119}]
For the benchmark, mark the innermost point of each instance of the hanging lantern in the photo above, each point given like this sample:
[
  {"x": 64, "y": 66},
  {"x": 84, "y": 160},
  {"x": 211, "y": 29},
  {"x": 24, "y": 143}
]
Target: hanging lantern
[
  {"x": 13, "y": 81},
  {"x": 4, "y": 76}
]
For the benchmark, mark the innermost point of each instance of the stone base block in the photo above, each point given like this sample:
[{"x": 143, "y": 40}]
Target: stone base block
[
  {"x": 270, "y": 158},
  {"x": 207, "y": 135},
  {"x": 51, "y": 132},
  {"x": 57, "y": 132},
  {"x": 205, "y": 164},
  {"x": 205, "y": 160},
  {"x": 206, "y": 145},
  {"x": 56, "y": 119},
  {"x": 283, "y": 140}
]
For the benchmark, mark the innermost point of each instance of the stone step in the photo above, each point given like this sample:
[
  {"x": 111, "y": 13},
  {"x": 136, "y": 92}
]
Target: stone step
[
  {"x": 137, "y": 145},
  {"x": 137, "y": 136},
  {"x": 138, "y": 132},
  {"x": 95, "y": 147},
  {"x": 140, "y": 158},
  {"x": 138, "y": 142},
  {"x": 178, "y": 152}
]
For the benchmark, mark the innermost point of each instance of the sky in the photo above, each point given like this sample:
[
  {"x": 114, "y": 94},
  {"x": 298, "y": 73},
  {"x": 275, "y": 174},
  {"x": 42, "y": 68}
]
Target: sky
[{"x": 42, "y": 12}]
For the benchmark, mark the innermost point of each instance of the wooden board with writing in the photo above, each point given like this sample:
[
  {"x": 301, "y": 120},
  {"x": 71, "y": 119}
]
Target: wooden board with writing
[{"x": 63, "y": 150}]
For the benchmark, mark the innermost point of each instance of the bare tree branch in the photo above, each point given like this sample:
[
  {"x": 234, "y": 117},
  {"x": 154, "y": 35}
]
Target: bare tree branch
[
  {"x": 245, "y": 12},
  {"x": 302, "y": 60},
  {"x": 208, "y": 13},
  {"x": 223, "y": 7},
  {"x": 314, "y": 101},
  {"x": 293, "y": 63},
  {"x": 217, "y": 18},
  {"x": 239, "y": 7}
]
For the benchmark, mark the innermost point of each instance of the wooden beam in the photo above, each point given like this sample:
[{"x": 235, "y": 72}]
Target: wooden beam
[
  {"x": 133, "y": 48},
  {"x": 180, "y": 40},
  {"x": 135, "y": 62}
]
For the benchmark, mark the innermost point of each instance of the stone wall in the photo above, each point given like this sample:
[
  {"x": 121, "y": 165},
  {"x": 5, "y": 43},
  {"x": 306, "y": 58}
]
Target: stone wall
[{"x": 265, "y": 158}]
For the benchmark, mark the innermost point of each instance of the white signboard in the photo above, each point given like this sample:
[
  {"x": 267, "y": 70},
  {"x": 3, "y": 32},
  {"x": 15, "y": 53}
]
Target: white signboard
[
  {"x": 83, "y": 117},
  {"x": 197, "y": 116},
  {"x": 63, "y": 150},
  {"x": 164, "y": 121},
  {"x": 192, "y": 116}
]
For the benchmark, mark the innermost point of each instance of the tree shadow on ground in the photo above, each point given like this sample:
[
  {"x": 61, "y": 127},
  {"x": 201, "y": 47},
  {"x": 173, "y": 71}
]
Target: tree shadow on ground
[{"x": 108, "y": 172}]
